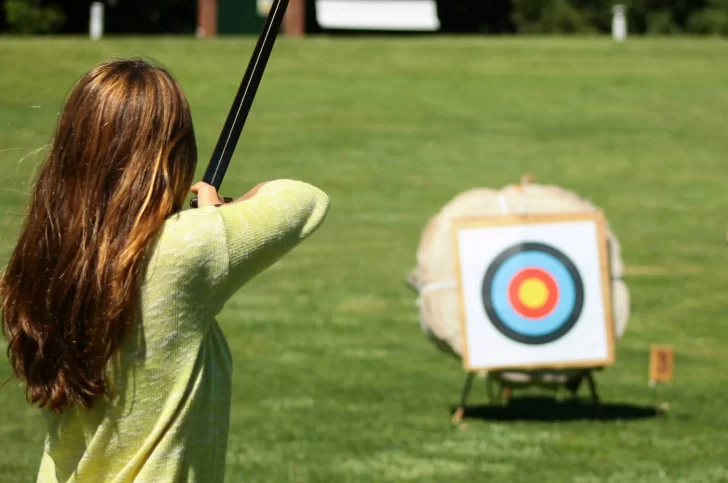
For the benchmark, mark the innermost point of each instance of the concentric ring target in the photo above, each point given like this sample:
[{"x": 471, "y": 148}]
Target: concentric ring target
[{"x": 533, "y": 293}]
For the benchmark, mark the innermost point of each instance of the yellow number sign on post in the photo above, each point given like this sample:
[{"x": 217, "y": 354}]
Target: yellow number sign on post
[{"x": 662, "y": 363}]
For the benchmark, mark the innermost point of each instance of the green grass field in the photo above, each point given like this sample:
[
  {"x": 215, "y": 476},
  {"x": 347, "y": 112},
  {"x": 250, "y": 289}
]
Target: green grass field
[{"x": 333, "y": 379}]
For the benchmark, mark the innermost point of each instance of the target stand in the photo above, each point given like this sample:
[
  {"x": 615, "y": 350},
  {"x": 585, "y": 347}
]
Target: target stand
[
  {"x": 505, "y": 391},
  {"x": 534, "y": 296}
]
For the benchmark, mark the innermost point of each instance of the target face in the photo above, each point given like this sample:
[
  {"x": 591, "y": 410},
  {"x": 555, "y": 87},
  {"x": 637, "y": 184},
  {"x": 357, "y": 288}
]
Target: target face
[{"x": 533, "y": 293}]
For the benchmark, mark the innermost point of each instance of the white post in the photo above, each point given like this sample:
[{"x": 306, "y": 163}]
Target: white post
[
  {"x": 619, "y": 23},
  {"x": 96, "y": 23},
  {"x": 264, "y": 7}
]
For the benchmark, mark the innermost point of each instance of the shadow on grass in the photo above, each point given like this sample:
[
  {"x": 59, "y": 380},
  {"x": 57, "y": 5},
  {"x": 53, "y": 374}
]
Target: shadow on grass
[{"x": 549, "y": 409}]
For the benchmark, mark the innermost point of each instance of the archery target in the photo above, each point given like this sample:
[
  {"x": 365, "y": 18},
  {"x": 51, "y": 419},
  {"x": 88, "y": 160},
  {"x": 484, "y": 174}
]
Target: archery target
[{"x": 534, "y": 292}]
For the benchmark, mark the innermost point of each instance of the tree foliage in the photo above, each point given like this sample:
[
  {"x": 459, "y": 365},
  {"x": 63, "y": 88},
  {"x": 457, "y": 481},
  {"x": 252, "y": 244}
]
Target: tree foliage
[
  {"x": 649, "y": 17},
  {"x": 121, "y": 16},
  {"x": 32, "y": 17}
]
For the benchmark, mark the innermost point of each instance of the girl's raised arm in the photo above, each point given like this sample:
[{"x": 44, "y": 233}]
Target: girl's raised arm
[{"x": 266, "y": 224}]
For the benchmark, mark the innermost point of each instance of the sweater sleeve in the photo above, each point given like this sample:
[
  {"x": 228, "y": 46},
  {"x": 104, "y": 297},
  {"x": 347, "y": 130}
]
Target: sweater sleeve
[{"x": 260, "y": 230}]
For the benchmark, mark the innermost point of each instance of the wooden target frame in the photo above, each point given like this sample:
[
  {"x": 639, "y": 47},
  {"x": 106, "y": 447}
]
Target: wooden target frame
[{"x": 597, "y": 219}]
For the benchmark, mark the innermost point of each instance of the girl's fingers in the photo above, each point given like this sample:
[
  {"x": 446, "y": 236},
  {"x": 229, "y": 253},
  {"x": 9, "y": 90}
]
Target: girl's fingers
[
  {"x": 201, "y": 186},
  {"x": 206, "y": 194}
]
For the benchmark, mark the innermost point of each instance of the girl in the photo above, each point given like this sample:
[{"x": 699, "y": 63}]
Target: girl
[{"x": 110, "y": 296}]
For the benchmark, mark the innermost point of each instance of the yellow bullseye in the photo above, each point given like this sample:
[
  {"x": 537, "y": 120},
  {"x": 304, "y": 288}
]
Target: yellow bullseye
[{"x": 533, "y": 293}]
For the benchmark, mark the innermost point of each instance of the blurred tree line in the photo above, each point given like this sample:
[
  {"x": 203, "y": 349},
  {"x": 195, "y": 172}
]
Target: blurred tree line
[
  {"x": 121, "y": 16},
  {"x": 542, "y": 17}
]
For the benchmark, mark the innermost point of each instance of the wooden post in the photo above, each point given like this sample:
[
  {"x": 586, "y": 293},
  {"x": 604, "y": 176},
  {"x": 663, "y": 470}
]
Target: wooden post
[
  {"x": 295, "y": 21},
  {"x": 206, "y": 18}
]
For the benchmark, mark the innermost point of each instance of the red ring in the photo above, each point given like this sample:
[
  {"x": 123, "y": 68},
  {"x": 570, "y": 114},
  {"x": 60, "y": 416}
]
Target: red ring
[{"x": 528, "y": 312}]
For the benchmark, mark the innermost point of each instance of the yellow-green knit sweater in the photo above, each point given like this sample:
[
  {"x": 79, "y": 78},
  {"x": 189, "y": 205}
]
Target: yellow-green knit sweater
[{"x": 168, "y": 417}]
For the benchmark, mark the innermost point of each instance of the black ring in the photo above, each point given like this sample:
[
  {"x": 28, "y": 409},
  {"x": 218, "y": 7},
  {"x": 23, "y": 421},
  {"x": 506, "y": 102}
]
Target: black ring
[{"x": 502, "y": 326}]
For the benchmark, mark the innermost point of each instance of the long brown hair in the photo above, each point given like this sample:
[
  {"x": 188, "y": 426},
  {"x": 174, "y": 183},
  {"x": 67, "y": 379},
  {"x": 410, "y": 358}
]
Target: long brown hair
[{"x": 121, "y": 162}]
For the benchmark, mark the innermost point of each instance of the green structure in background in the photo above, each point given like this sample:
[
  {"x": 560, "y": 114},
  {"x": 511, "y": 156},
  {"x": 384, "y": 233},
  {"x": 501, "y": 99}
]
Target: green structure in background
[{"x": 238, "y": 17}]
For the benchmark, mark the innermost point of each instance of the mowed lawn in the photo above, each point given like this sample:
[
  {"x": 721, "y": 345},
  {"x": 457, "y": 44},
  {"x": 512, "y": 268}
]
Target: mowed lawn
[{"x": 333, "y": 379}]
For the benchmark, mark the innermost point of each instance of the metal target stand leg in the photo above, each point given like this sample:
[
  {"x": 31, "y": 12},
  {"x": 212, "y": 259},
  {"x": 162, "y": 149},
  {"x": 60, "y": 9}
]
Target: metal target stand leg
[
  {"x": 573, "y": 387},
  {"x": 460, "y": 412},
  {"x": 594, "y": 394}
]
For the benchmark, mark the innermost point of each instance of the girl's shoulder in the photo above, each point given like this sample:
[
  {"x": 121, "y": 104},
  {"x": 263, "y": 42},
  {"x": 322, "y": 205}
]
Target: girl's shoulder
[{"x": 190, "y": 243}]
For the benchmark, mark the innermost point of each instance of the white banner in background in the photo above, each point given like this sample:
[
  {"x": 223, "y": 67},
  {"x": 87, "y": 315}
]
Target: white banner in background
[{"x": 414, "y": 15}]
